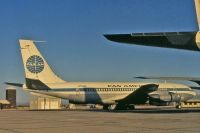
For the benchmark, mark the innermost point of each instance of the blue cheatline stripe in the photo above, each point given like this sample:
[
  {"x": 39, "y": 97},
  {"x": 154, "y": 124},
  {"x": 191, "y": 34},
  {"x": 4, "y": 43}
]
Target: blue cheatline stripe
[
  {"x": 111, "y": 89},
  {"x": 93, "y": 89}
]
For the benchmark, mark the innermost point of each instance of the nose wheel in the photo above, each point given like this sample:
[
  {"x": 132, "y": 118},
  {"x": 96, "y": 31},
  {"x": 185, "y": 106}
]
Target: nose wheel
[{"x": 178, "y": 106}]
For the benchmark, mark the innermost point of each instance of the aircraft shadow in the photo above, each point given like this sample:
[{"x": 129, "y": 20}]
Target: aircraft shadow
[{"x": 152, "y": 111}]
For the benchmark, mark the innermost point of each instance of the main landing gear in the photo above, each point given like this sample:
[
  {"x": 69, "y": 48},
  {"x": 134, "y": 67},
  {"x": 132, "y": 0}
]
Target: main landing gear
[
  {"x": 109, "y": 107},
  {"x": 106, "y": 107},
  {"x": 119, "y": 107},
  {"x": 178, "y": 104}
]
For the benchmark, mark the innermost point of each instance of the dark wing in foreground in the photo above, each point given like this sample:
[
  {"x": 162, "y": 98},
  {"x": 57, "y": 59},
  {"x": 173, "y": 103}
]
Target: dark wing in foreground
[
  {"x": 179, "y": 40},
  {"x": 140, "y": 96}
]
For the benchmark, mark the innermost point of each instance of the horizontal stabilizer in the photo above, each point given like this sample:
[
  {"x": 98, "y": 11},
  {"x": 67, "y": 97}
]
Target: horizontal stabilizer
[
  {"x": 35, "y": 84},
  {"x": 14, "y": 84}
]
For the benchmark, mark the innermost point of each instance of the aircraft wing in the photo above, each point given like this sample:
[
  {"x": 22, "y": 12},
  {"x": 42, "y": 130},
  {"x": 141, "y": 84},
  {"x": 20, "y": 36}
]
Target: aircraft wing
[
  {"x": 140, "y": 96},
  {"x": 179, "y": 40},
  {"x": 193, "y": 79}
]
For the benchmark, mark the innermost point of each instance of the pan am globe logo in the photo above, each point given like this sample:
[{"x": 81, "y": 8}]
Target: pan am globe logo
[{"x": 35, "y": 64}]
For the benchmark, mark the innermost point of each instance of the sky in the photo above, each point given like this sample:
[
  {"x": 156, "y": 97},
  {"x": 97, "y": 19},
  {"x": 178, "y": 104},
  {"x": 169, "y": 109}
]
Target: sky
[{"x": 76, "y": 48}]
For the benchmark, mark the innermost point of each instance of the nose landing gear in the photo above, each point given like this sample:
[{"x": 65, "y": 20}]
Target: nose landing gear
[{"x": 178, "y": 106}]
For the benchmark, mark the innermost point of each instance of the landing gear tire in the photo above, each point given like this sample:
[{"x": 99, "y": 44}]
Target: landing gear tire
[
  {"x": 125, "y": 107},
  {"x": 131, "y": 107},
  {"x": 105, "y": 107},
  {"x": 109, "y": 107},
  {"x": 178, "y": 106},
  {"x": 112, "y": 107}
]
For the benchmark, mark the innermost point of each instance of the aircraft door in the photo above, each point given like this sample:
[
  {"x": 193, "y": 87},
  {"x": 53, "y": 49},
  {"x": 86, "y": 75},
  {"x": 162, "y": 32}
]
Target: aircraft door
[
  {"x": 77, "y": 92},
  {"x": 78, "y": 95}
]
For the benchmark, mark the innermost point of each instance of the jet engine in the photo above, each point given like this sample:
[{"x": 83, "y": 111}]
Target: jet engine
[
  {"x": 198, "y": 40},
  {"x": 163, "y": 98}
]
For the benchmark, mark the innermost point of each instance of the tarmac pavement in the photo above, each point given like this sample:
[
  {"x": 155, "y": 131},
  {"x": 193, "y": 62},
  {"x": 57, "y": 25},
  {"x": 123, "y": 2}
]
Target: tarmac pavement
[{"x": 98, "y": 121}]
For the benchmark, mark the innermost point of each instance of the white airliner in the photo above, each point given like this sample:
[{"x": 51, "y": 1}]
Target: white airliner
[{"x": 119, "y": 95}]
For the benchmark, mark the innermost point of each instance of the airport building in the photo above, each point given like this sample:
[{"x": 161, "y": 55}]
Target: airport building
[
  {"x": 11, "y": 97},
  {"x": 44, "y": 102},
  {"x": 4, "y": 104}
]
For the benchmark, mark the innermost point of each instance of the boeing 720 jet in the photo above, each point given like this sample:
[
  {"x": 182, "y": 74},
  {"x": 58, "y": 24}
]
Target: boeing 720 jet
[
  {"x": 39, "y": 78},
  {"x": 179, "y": 40}
]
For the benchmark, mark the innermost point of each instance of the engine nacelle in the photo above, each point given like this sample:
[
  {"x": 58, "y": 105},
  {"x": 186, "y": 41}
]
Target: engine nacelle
[
  {"x": 152, "y": 102},
  {"x": 197, "y": 40},
  {"x": 163, "y": 98}
]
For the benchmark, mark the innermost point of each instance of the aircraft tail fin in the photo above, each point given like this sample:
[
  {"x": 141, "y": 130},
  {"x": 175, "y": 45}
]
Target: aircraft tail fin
[{"x": 35, "y": 66}]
